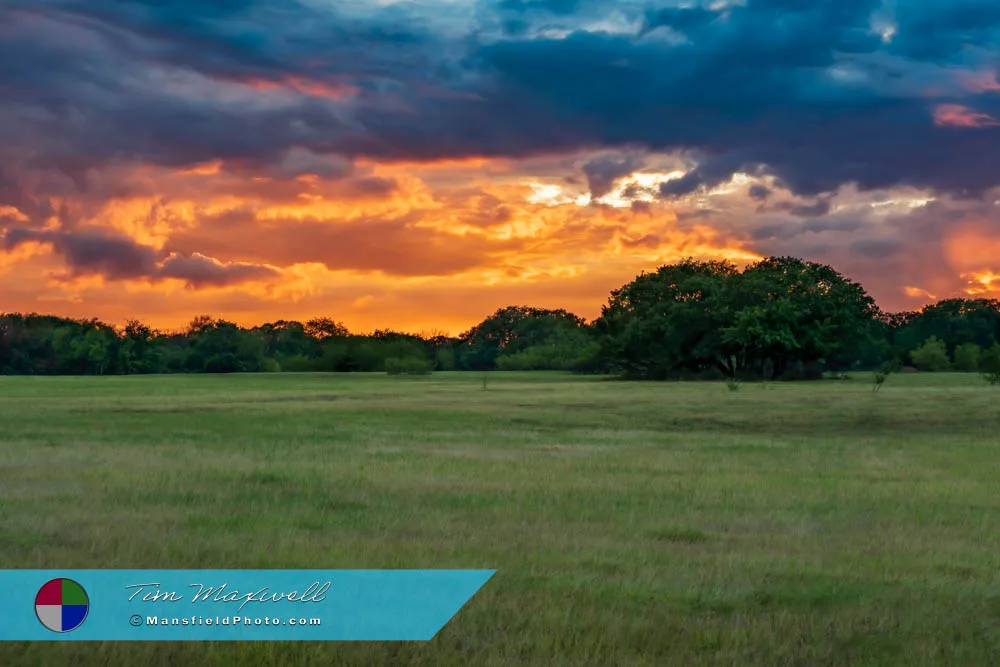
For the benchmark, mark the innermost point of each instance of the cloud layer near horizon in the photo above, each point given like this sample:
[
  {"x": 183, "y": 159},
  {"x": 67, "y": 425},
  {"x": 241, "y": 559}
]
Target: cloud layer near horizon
[{"x": 419, "y": 164}]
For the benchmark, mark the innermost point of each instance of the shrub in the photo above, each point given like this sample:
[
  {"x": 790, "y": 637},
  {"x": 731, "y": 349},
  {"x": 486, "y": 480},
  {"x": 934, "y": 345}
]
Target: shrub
[
  {"x": 588, "y": 360},
  {"x": 222, "y": 363},
  {"x": 336, "y": 356},
  {"x": 526, "y": 360},
  {"x": 989, "y": 364},
  {"x": 407, "y": 366},
  {"x": 553, "y": 357},
  {"x": 967, "y": 357},
  {"x": 883, "y": 373},
  {"x": 878, "y": 379},
  {"x": 445, "y": 359},
  {"x": 931, "y": 356},
  {"x": 416, "y": 366},
  {"x": 298, "y": 363}
]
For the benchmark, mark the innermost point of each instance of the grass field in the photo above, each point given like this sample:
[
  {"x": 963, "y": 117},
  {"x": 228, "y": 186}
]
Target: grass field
[{"x": 629, "y": 523}]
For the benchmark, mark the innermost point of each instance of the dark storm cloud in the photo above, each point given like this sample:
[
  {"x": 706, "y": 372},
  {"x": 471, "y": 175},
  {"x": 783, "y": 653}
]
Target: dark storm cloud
[
  {"x": 875, "y": 248},
  {"x": 711, "y": 171},
  {"x": 118, "y": 257},
  {"x": 788, "y": 229},
  {"x": 686, "y": 184},
  {"x": 805, "y": 92},
  {"x": 174, "y": 84},
  {"x": 200, "y": 271},
  {"x": 560, "y": 7},
  {"x": 759, "y": 192},
  {"x": 814, "y": 210},
  {"x": 634, "y": 190},
  {"x": 841, "y": 225},
  {"x": 678, "y": 18},
  {"x": 374, "y": 186},
  {"x": 941, "y": 29},
  {"x": 91, "y": 253},
  {"x": 603, "y": 170}
]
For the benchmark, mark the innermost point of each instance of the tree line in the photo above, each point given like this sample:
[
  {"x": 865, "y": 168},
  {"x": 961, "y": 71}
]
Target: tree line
[{"x": 779, "y": 318}]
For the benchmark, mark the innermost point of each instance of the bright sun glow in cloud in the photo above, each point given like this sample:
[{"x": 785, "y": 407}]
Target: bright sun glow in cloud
[
  {"x": 637, "y": 187},
  {"x": 436, "y": 159},
  {"x": 553, "y": 195},
  {"x": 890, "y": 204},
  {"x": 982, "y": 283}
]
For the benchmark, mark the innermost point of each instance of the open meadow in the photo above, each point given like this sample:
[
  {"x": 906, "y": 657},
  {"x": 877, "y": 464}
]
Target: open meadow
[{"x": 629, "y": 523}]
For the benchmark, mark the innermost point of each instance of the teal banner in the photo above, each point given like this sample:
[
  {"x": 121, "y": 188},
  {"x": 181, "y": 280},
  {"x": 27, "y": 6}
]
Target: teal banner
[{"x": 238, "y": 605}]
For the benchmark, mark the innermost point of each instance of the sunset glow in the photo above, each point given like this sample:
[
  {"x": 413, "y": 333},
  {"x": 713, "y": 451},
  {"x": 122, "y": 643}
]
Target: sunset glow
[{"x": 419, "y": 165}]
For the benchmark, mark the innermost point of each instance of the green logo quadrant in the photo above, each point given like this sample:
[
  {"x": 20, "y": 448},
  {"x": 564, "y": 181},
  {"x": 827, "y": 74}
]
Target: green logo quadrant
[{"x": 61, "y": 605}]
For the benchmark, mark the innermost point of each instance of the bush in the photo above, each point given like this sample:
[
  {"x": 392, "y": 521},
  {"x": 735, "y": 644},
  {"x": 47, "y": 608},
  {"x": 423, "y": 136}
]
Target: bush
[
  {"x": 522, "y": 361},
  {"x": 545, "y": 358},
  {"x": 967, "y": 357},
  {"x": 335, "y": 357},
  {"x": 445, "y": 359},
  {"x": 931, "y": 356},
  {"x": 298, "y": 363},
  {"x": 884, "y": 371},
  {"x": 407, "y": 366},
  {"x": 588, "y": 360},
  {"x": 222, "y": 363},
  {"x": 989, "y": 364}
]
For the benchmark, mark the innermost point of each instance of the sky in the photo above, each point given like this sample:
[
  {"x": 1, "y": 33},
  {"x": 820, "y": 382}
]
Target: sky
[{"x": 418, "y": 164}]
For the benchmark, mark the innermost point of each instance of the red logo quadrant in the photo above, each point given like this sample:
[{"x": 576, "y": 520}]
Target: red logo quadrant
[{"x": 61, "y": 605}]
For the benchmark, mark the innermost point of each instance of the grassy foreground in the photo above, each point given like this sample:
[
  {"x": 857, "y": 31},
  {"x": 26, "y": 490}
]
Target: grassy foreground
[{"x": 630, "y": 523}]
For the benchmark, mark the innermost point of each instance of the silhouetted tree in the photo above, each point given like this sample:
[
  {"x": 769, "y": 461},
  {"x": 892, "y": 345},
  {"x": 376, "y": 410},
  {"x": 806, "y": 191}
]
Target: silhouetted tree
[{"x": 780, "y": 316}]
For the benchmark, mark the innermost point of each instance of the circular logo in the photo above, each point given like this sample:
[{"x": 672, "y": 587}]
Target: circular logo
[{"x": 61, "y": 605}]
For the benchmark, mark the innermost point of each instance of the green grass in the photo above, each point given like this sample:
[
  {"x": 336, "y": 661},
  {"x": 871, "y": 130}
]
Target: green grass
[{"x": 629, "y": 523}]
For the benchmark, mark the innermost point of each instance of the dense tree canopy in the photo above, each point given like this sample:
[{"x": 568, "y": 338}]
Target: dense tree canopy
[
  {"x": 695, "y": 317},
  {"x": 781, "y": 317},
  {"x": 522, "y": 332},
  {"x": 790, "y": 313},
  {"x": 668, "y": 321}
]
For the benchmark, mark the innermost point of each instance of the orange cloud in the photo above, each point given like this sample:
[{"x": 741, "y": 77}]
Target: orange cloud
[
  {"x": 202, "y": 169},
  {"x": 974, "y": 251},
  {"x": 21, "y": 253},
  {"x": 982, "y": 283},
  {"x": 918, "y": 293},
  {"x": 12, "y": 214},
  {"x": 427, "y": 167},
  {"x": 328, "y": 90},
  {"x": 446, "y": 245},
  {"x": 956, "y": 115},
  {"x": 973, "y": 247}
]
